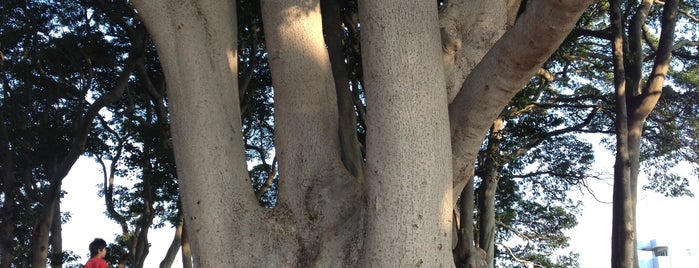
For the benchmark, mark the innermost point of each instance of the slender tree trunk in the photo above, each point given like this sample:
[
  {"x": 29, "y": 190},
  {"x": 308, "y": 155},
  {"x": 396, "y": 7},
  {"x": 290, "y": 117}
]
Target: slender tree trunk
[
  {"x": 486, "y": 199},
  {"x": 622, "y": 232},
  {"x": 465, "y": 253},
  {"x": 40, "y": 235},
  {"x": 176, "y": 243},
  {"x": 186, "y": 249},
  {"x": 8, "y": 216},
  {"x": 140, "y": 245},
  {"x": 42, "y": 227},
  {"x": 56, "y": 238},
  {"x": 334, "y": 36}
]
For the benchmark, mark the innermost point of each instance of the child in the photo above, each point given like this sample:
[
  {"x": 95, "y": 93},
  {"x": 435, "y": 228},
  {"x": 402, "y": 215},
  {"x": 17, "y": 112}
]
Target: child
[{"x": 98, "y": 249}]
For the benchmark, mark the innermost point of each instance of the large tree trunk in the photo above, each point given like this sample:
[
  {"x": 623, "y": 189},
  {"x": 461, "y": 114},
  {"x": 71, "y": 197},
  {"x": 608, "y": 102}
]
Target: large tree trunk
[
  {"x": 320, "y": 217},
  {"x": 197, "y": 45},
  {"x": 634, "y": 104},
  {"x": 408, "y": 185},
  {"x": 315, "y": 187}
]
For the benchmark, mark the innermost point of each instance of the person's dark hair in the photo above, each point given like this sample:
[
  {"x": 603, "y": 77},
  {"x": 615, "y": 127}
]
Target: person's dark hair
[{"x": 96, "y": 245}]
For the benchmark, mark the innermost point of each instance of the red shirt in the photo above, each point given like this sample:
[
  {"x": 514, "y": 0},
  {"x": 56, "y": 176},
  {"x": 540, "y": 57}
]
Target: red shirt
[{"x": 96, "y": 263}]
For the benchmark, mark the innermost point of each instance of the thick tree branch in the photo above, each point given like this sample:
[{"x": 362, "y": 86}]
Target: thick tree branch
[
  {"x": 634, "y": 58},
  {"x": 651, "y": 92},
  {"x": 502, "y": 72}
]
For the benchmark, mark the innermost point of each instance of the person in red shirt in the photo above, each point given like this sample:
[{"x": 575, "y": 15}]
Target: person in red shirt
[{"x": 98, "y": 249}]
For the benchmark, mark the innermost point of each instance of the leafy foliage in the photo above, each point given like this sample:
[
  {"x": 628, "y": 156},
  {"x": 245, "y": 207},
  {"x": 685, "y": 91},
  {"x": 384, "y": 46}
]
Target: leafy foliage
[{"x": 51, "y": 62}]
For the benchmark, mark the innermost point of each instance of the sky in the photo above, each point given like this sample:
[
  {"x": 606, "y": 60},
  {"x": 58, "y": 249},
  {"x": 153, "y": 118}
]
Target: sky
[
  {"x": 658, "y": 217},
  {"x": 673, "y": 219}
]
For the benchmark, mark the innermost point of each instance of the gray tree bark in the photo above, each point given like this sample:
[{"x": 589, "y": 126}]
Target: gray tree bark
[
  {"x": 197, "y": 45},
  {"x": 320, "y": 195},
  {"x": 409, "y": 197},
  {"x": 406, "y": 201}
]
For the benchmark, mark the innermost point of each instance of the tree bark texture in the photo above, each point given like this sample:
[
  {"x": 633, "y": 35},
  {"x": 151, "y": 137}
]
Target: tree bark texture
[
  {"x": 327, "y": 215},
  {"x": 197, "y": 45},
  {"x": 409, "y": 199},
  {"x": 320, "y": 193},
  {"x": 469, "y": 29}
]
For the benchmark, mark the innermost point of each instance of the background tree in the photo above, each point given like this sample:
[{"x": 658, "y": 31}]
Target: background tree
[
  {"x": 634, "y": 27},
  {"x": 50, "y": 62},
  {"x": 635, "y": 46},
  {"x": 136, "y": 142}
]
